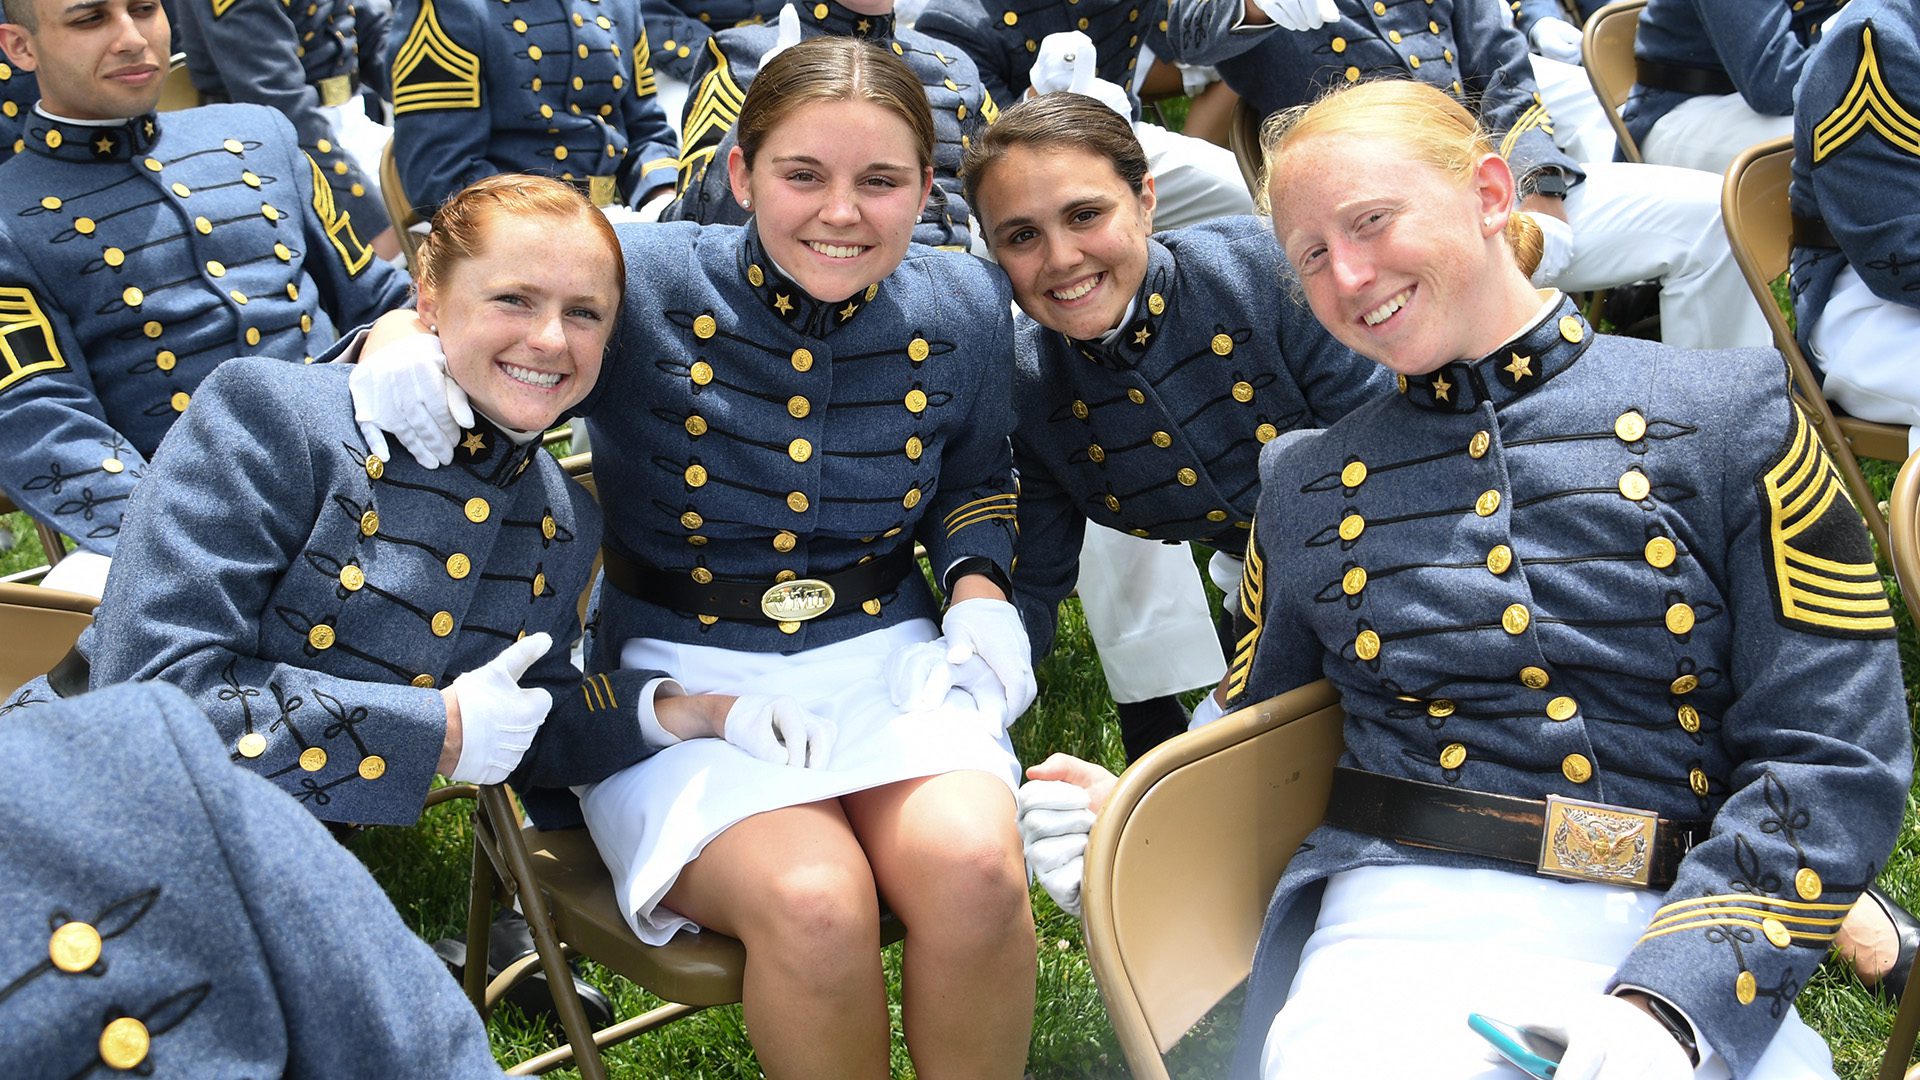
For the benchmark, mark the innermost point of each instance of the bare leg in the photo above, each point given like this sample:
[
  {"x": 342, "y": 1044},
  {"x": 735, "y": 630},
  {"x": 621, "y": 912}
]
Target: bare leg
[
  {"x": 946, "y": 855},
  {"x": 1211, "y": 113},
  {"x": 794, "y": 886},
  {"x": 386, "y": 244},
  {"x": 1868, "y": 940}
]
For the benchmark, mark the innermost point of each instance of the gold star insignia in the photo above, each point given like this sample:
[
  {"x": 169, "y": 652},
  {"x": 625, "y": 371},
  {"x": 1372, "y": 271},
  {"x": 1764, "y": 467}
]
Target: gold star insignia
[
  {"x": 1441, "y": 388},
  {"x": 781, "y": 304},
  {"x": 863, "y": 26},
  {"x": 149, "y": 129},
  {"x": 847, "y": 312},
  {"x": 473, "y": 443},
  {"x": 104, "y": 145},
  {"x": 1141, "y": 335},
  {"x": 1521, "y": 367}
]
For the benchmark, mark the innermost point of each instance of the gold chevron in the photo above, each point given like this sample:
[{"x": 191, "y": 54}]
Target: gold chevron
[
  {"x": 643, "y": 79},
  {"x": 1253, "y": 587},
  {"x": 1814, "y": 587},
  {"x": 716, "y": 105},
  {"x": 431, "y": 71},
  {"x": 220, "y": 7},
  {"x": 27, "y": 345},
  {"x": 1535, "y": 117},
  {"x": 989, "y": 112},
  {"x": 339, "y": 225},
  {"x": 1868, "y": 104}
]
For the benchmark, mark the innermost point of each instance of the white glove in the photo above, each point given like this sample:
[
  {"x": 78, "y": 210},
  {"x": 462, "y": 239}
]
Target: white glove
[
  {"x": 1556, "y": 39},
  {"x": 1054, "y": 825},
  {"x": 498, "y": 718},
  {"x": 918, "y": 675},
  {"x": 1607, "y": 1038},
  {"x": 404, "y": 388},
  {"x": 1300, "y": 14},
  {"x": 786, "y": 36},
  {"x": 1556, "y": 252},
  {"x": 778, "y": 729},
  {"x": 992, "y": 631},
  {"x": 1066, "y": 61}
]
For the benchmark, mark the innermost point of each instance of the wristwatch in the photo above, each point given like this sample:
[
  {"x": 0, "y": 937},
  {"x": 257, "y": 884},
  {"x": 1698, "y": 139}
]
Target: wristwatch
[
  {"x": 1676, "y": 1025},
  {"x": 1551, "y": 182}
]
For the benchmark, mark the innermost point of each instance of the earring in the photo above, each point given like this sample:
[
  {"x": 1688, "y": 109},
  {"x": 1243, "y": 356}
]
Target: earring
[
  {"x": 433, "y": 328},
  {"x": 1487, "y": 222},
  {"x": 747, "y": 205}
]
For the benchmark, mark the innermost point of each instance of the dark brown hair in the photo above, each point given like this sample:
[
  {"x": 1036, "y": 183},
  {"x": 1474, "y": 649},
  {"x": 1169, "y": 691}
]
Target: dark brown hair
[
  {"x": 833, "y": 68},
  {"x": 1059, "y": 119}
]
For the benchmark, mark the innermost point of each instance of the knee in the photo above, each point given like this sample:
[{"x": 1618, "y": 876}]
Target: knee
[
  {"x": 978, "y": 891},
  {"x": 818, "y": 919}
]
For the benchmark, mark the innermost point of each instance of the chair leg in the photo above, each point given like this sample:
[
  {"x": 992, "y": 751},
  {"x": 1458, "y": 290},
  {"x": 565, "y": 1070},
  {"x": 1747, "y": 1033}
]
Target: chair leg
[
  {"x": 479, "y": 919},
  {"x": 656, "y": 1017},
  {"x": 1906, "y": 1025}
]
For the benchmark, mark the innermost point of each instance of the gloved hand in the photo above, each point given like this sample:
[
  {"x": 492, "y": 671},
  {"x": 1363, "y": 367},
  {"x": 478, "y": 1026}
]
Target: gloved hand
[
  {"x": 1300, "y": 14},
  {"x": 786, "y": 35},
  {"x": 918, "y": 675},
  {"x": 778, "y": 729},
  {"x": 1556, "y": 39},
  {"x": 991, "y": 630},
  {"x": 1066, "y": 61},
  {"x": 1054, "y": 826},
  {"x": 404, "y": 388},
  {"x": 1557, "y": 251},
  {"x": 498, "y": 718},
  {"x": 1607, "y": 1038}
]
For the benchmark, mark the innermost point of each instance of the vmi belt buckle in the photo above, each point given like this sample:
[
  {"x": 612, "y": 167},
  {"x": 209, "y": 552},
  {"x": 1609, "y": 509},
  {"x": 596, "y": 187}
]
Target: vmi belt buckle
[
  {"x": 797, "y": 600},
  {"x": 1589, "y": 841},
  {"x": 602, "y": 190},
  {"x": 335, "y": 90}
]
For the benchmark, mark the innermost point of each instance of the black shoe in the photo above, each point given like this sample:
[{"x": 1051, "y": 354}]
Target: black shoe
[
  {"x": 1146, "y": 724},
  {"x": 1894, "y": 982},
  {"x": 508, "y": 940}
]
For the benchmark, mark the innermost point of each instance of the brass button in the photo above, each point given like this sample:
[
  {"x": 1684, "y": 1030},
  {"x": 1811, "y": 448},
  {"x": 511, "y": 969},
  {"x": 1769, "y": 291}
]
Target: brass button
[
  {"x": 251, "y": 745},
  {"x": 1353, "y": 581},
  {"x": 785, "y": 576},
  {"x": 1216, "y": 515},
  {"x": 696, "y": 426},
  {"x": 756, "y": 276},
  {"x": 1453, "y": 756},
  {"x": 216, "y": 268},
  {"x": 1009, "y": 18},
  {"x": 132, "y": 296},
  {"x": 113, "y": 256},
  {"x": 1352, "y": 526},
  {"x": 1807, "y": 883},
  {"x": 249, "y": 178},
  {"x": 320, "y": 637},
  {"x": 692, "y": 520},
  {"x": 1562, "y": 708},
  {"x": 1487, "y": 504},
  {"x": 802, "y": 360},
  {"x": 1477, "y": 446},
  {"x": 798, "y": 407},
  {"x": 696, "y": 476},
  {"x": 1634, "y": 485},
  {"x": 1577, "y": 768},
  {"x": 372, "y": 767},
  {"x": 789, "y": 627},
  {"x": 1630, "y": 426},
  {"x": 1242, "y": 391},
  {"x": 702, "y": 576},
  {"x": 1354, "y": 474},
  {"x": 1689, "y": 718},
  {"x": 1679, "y": 618},
  {"x": 112, "y": 465},
  {"x": 911, "y": 499},
  {"x": 1187, "y": 477},
  {"x": 797, "y": 502},
  {"x": 424, "y": 682},
  {"x": 871, "y": 607},
  {"x": 1367, "y": 645},
  {"x": 916, "y": 401},
  {"x": 539, "y": 584},
  {"x": 478, "y": 510},
  {"x": 74, "y": 947},
  {"x": 704, "y": 327},
  {"x": 1135, "y": 395},
  {"x": 182, "y": 190},
  {"x": 1156, "y": 304},
  {"x": 1266, "y": 433},
  {"x": 1570, "y": 328},
  {"x": 442, "y": 623},
  {"x": 458, "y": 566},
  {"x": 914, "y": 448},
  {"x": 124, "y": 1043},
  {"x": 1745, "y": 987},
  {"x": 1776, "y": 932},
  {"x": 1697, "y": 780},
  {"x": 799, "y": 449},
  {"x": 1112, "y": 503},
  {"x": 1339, "y": 45},
  {"x": 1222, "y": 345},
  {"x": 1660, "y": 552},
  {"x": 1079, "y": 409},
  {"x": 1515, "y": 619},
  {"x": 179, "y": 401},
  {"x": 238, "y": 296},
  {"x": 549, "y": 528},
  {"x": 1161, "y": 439},
  {"x": 701, "y": 373},
  {"x": 1352, "y": 74},
  {"x": 917, "y": 349},
  {"x": 1533, "y": 678},
  {"x": 1685, "y": 684},
  {"x": 1499, "y": 558},
  {"x": 708, "y": 620},
  {"x": 352, "y": 577},
  {"x": 1096, "y": 453},
  {"x": 784, "y": 541},
  {"x": 376, "y": 468},
  {"x": 1440, "y": 708},
  {"x": 152, "y": 329},
  {"x": 151, "y": 164}
]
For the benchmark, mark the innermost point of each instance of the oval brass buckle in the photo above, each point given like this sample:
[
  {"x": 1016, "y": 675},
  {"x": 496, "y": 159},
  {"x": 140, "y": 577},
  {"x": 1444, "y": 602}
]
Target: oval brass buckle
[{"x": 797, "y": 600}]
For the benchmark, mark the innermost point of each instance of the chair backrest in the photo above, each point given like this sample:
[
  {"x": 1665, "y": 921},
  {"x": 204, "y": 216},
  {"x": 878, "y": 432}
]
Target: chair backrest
[
  {"x": 37, "y": 627},
  {"x": 176, "y": 89},
  {"x": 399, "y": 207},
  {"x": 1606, "y": 49},
  {"x": 1243, "y": 138},
  {"x": 1185, "y": 856}
]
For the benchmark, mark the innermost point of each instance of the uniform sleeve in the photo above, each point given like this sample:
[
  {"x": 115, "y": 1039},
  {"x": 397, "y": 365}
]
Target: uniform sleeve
[
  {"x": 972, "y": 511},
  {"x": 1818, "y": 739},
  {"x": 1332, "y": 378},
  {"x": 674, "y": 30},
  {"x": 964, "y": 26},
  {"x": 1496, "y": 73},
  {"x": 1202, "y": 32},
  {"x": 1757, "y": 46},
  {"x": 65, "y": 465},
  {"x": 719, "y": 89},
  {"x": 1528, "y": 12},
  {"x": 1273, "y": 649},
  {"x": 356, "y": 287},
  {"x": 653, "y": 150},
  {"x": 441, "y": 125},
  {"x": 1046, "y": 565},
  {"x": 373, "y": 24}
]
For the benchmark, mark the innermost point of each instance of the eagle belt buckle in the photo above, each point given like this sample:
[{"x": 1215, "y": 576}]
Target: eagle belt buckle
[
  {"x": 335, "y": 90},
  {"x": 797, "y": 600},
  {"x": 1589, "y": 841},
  {"x": 601, "y": 189}
]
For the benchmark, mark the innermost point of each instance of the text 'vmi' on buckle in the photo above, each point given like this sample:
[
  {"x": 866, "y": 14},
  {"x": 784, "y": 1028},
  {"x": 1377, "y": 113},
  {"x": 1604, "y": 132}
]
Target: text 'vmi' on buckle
[
  {"x": 797, "y": 600},
  {"x": 1589, "y": 841}
]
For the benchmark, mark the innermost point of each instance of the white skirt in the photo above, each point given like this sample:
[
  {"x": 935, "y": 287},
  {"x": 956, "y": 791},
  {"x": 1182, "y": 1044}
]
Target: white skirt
[{"x": 657, "y": 816}]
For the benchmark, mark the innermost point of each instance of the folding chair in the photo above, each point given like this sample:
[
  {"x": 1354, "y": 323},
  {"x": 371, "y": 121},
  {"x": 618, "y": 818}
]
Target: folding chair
[
  {"x": 37, "y": 627},
  {"x": 1243, "y": 138},
  {"x": 1606, "y": 50},
  {"x": 1903, "y": 512},
  {"x": 1753, "y": 204},
  {"x": 177, "y": 90},
  {"x": 399, "y": 207},
  {"x": 1173, "y": 902},
  {"x": 50, "y": 541}
]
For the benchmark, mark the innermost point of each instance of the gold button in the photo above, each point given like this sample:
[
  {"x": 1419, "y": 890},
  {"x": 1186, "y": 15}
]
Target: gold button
[
  {"x": 1487, "y": 504},
  {"x": 1113, "y": 504},
  {"x": 253, "y": 332},
  {"x": 784, "y": 576},
  {"x": 1393, "y": 36},
  {"x": 756, "y": 276},
  {"x": 1515, "y": 619},
  {"x": 1379, "y": 7},
  {"x": 1689, "y": 718},
  {"x": 1222, "y": 345},
  {"x": 1577, "y": 768},
  {"x": 539, "y": 585},
  {"x": 1630, "y": 427},
  {"x": 704, "y": 327},
  {"x": 1187, "y": 477},
  {"x": 1156, "y": 304},
  {"x": 238, "y": 296},
  {"x": 313, "y": 759},
  {"x": 424, "y": 682},
  {"x": 1353, "y": 581},
  {"x": 797, "y": 502},
  {"x": 1352, "y": 526},
  {"x": 1453, "y": 756},
  {"x": 520, "y": 27},
  {"x": 789, "y": 627},
  {"x": 112, "y": 465},
  {"x": 1096, "y": 453},
  {"x": 1354, "y": 474},
  {"x": 784, "y": 541},
  {"x": 248, "y": 178},
  {"x": 124, "y": 1043},
  {"x": 1570, "y": 328},
  {"x": 802, "y": 360},
  {"x": 916, "y": 401},
  {"x": 459, "y": 566},
  {"x": 549, "y": 527},
  {"x": 113, "y": 256},
  {"x": 179, "y": 401},
  {"x": 581, "y": 50},
  {"x": 1634, "y": 485},
  {"x": 269, "y": 211},
  {"x": 181, "y": 189},
  {"x": 1009, "y": 18},
  {"x": 534, "y": 52},
  {"x": 1697, "y": 780},
  {"x": 478, "y": 510},
  {"x": 798, "y": 407},
  {"x": 1440, "y": 708},
  {"x": 252, "y": 745},
  {"x": 1679, "y": 618},
  {"x": 1339, "y": 44},
  {"x": 702, "y": 575},
  {"x": 1685, "y": 684},
  {"x": 132, "y": 296},
  {"x": 442, "y": 623},
  {"x": 375, "y": 468},
  {"x": 1367, "y": 645},
  {"x": 696, "y": 476},
  {"x": 233, "y": 146},
  {"x": 917, "y": 349},
  {"x": 352, "y": 577},
  {"x": 152, "y": 329},
  {"x": 1807, "y": 883},
  {"x": 83, "y": 225},
  {"x": 74, "y": 947},
  {"x": 1079, "y": 409},
  {"x": 51, "y": 202},
  {"x": 914, "y": 448},
  {"x": 1134, "y": 395},
  {"x": 372, "y": 767},
  {"x": 701, "y": 373},
  {"x": 1776, "y": 932},
  {"x": 1266, "y": 433},
  {"x": 799, "y": 449},
  {"x": 708, "y": 620},
  {"x": 1745, "y": 987},
  {"x": 696, "y": 426},
  {"x": 1242, "y": 391},
  {"x": 1162, "y": 439},
  {"x": 691, "y": 520},
  {"x": 1562, "y": 708},
  {"x": 1499, "y": 558},
  {"x": 546, "y": 112},
  {"x": 1352, "y": 74},
  {"x": 1533, "y": 678},
  {"x": 216, "y": 268},
  {"x": 321, "y": 637},
  {"x": 911, "y": 499},
  {"x": 1660, "y": 552},
  {"x": 871, "y": 607},
  {"x": 369, "y": 523}
]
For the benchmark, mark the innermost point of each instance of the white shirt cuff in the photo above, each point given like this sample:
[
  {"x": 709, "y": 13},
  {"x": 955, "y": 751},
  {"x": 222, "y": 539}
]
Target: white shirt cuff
[{"x": 651, "y": 733}]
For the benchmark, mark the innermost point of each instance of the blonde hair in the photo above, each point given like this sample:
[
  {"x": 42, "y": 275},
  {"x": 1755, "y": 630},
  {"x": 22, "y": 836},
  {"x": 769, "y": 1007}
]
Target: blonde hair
[
  {"x": 460, "y": 225},
  {"x": 1423, "y": 122}
]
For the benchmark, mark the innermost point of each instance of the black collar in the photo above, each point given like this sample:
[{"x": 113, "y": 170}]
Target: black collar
[
  {"x": 1547, "y": 348},
  {"x": 66, "y": 141},
  {"x": 827, "y": 17},
  {"x": 787, "y": 300},
  {"x": 1150, "y": 307},
  {"x": 486, "y": 452}
]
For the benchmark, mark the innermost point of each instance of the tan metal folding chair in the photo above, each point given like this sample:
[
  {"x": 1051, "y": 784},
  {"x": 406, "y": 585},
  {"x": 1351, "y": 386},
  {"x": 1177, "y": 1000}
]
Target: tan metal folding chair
[
  {"x": 1759, "y": 225},
  {"x": 177, "y": 90},
  {"x": 1173, "y": 902},
  {"x": 37, "y": 627},
  {"x": 399, "y": 208},
  {"x": 1903, "y": 522},
  {"x": 1606, "y": 50}
]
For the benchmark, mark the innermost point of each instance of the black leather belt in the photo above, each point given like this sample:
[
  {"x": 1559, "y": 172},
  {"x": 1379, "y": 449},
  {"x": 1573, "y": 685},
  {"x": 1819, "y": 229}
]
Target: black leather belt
[
  {"x": 1809, "y": 232},
  {"x": 1658, "y": 75},
  {"x": 796, "y": 600},
  {"x": 1568, "y": 838},
  {"x": 69, "y": 677}
]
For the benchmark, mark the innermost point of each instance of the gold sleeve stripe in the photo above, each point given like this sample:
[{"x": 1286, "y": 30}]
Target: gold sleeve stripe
[
  {"x": 999, "y": 500},
  {"x": 1534, "y": 117},
  {"x": 1868, "y": 104},
  {"x": 1252, "y": 590},
  {"x": 1751, "y": 913},
  {"x": 1801, "y": 491},
  {"x": 988, "y": 110},
  {"x": 27, "y": 345},
  {"x": 716, "y": 105},
  {"x": 220, "y": 7},
  {"x": 1701, "y": 924},
  {"x": 1749, "y": 898},
  {"x": 339, "y": 225},
  {"x": 431, "y": 71},
  {"x": 586, "y": 694},
  {"x": 643, "y": 79},
  {"x": 978, "y": 517},
  {"x": 607, "y": 688}
]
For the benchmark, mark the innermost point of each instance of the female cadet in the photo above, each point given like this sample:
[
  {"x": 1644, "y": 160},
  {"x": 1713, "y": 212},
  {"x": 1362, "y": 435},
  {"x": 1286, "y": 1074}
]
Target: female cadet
[
  {"x": 806, "y": 397},
  {"x": 1150, "y": 374},
  {"x": 353, "y": 623},
  {"x": 1524, "y": 574}
]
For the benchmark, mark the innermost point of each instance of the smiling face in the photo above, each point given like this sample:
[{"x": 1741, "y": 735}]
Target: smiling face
[
  {"x": 95, "y": 59},
  {"x": 1070, "y": 234},
  {"x": 524, "y": 338},
  {"x": 836, "y": 188}
]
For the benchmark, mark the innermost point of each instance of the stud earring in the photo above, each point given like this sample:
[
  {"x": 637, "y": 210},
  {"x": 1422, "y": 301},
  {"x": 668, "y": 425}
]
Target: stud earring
[
  {"x": 1486, "y": 222},
  {"x": 747, "y": 205},
  {"x": 433, "y": 328}
]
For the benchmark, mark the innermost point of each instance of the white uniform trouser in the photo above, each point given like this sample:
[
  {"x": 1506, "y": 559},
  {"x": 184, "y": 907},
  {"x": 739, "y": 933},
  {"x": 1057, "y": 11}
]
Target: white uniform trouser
[
  {"x": 1635, "y": 222},
  {"x": 1708, "y": 131},
  {"x": 80, "y": 572},
  {"x": 1580, "y": 127},
  {"x": 361, "y": 137},
  {"x": 1148, "y": 615},
  {"x": 1401, "y": 954},
  {"x": 1193, "y": 180},
  {"x": 1864, "y": 344}
]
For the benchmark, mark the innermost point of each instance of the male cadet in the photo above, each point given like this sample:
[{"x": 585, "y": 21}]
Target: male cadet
[
  {"x": 1713, "y": 77},
  {"x": 18, "y": 92},
  {"x": 138, "y": 251},
  {"x": 304, "y": 60}
]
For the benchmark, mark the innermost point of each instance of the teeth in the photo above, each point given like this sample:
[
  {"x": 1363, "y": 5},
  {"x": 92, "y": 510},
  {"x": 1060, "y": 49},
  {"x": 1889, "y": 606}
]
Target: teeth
[
  {"x": 836, "y": 251},
  {"x": 545, "y": 380},
  {"x": 1384, "y": 311},
  {"x": 1077, "y": 291}
]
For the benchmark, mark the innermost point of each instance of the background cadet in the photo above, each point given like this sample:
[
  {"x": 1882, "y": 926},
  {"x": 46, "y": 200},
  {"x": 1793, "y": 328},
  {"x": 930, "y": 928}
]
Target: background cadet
[{"x": 679, "y": 30}]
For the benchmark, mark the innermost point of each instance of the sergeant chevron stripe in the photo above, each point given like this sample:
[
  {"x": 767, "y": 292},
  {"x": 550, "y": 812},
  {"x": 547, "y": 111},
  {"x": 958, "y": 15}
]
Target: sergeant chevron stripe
[
  {"x": 1867, "y": 104},
  {"x": 715, "y": 108},
  {"x": 1821, "y": 569},
  {"x": 431, "y": 70},
  {"x": 1253, "y": 588}
]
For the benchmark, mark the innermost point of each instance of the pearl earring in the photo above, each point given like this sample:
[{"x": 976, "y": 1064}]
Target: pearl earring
[
  {"x": 1487, "y": 222},
  {"x": 746, "y": 204}
]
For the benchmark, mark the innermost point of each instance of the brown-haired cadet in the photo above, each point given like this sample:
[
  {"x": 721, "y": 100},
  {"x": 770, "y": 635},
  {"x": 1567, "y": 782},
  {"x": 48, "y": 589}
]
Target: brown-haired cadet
[
  {"x": 790, "y": 406},
  {"x": 1626, "y": 730}
]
